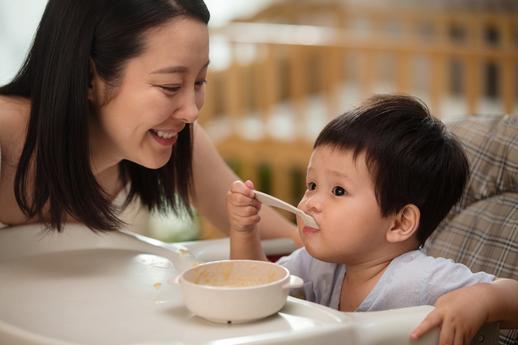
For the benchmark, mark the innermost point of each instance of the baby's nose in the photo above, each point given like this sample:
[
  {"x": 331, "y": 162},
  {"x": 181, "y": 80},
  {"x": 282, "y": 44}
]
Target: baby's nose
[{"x": 310, "y": 204}]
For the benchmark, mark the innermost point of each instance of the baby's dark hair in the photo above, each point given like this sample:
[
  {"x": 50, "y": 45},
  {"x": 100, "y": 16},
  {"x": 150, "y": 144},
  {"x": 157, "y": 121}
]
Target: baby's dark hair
[{"x": 411, "y": 156}]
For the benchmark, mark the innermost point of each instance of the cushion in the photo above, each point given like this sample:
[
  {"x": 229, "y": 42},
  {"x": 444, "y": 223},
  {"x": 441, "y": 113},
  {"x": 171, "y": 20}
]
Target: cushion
[{"x": 481, "y": 231}]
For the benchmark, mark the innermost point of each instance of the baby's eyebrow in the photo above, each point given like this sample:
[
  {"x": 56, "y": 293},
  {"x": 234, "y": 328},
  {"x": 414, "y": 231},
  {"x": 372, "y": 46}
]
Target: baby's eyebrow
[{"x": 339, "y": 174}]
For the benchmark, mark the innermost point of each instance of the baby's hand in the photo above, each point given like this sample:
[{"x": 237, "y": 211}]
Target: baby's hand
[
  {"x": 459, "y": 314},
  {"x": 242, "y": 207}
]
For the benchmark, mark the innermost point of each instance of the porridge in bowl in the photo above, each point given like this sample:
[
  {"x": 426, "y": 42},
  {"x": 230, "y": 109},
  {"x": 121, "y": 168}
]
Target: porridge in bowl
[
  {"x": 236, "y": 290},
  {"x": 236, "y": 274}
]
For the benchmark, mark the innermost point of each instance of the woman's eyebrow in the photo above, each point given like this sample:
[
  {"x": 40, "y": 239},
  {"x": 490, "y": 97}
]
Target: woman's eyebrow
[
  {"x": 175, "y": 69},
  {"x": 171, "y": 69}
]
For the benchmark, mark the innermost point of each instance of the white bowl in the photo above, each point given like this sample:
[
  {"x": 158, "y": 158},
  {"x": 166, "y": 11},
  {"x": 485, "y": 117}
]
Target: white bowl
[{"x": 236, "y": 290}]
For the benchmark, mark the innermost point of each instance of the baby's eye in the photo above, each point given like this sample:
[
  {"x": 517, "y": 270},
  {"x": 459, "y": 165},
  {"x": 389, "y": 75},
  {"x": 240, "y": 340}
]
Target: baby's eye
[
  {"x": 338, "y": 191},
  {"x": 311, "y": 186}
]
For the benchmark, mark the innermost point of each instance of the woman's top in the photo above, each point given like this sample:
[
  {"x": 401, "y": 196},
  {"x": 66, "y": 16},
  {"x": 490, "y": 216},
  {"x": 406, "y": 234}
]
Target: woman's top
[{"x": 134, "y": 216}]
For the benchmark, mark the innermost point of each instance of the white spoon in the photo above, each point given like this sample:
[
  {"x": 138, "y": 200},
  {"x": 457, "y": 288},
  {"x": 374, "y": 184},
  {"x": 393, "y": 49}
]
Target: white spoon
[
  {"x": 273, "y": 201},
  {"x": 179, "y": 255}
]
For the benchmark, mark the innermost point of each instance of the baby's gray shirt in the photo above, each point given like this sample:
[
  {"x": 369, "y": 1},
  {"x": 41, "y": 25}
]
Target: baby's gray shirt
[{"x": 410, "y": 279}]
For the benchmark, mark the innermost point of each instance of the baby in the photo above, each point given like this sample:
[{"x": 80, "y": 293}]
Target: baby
[{"x": 379, "y": 180}]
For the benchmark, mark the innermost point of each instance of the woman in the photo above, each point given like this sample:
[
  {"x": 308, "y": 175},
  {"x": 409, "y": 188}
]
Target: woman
[{"x": 105, "y": 104}]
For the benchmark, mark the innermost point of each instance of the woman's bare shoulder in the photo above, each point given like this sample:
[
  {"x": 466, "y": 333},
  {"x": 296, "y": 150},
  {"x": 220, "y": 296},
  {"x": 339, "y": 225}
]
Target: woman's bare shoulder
[{"x": 14, "y": 115}]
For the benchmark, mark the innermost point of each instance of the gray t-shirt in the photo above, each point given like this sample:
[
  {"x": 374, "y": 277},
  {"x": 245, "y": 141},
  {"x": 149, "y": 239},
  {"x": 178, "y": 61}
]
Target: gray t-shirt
[{"x": 411, "y": 279}]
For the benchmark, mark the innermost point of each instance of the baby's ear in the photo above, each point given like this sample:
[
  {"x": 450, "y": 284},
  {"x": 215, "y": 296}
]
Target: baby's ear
[{"x": 405, "y": 224}]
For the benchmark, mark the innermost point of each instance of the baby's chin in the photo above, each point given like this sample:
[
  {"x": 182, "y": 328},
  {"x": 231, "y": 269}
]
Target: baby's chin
[{"x": 319, "y": 256}]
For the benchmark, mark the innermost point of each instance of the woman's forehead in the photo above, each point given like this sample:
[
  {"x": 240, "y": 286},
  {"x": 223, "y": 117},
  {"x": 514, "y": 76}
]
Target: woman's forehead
[{"x": 182, "y": 42}]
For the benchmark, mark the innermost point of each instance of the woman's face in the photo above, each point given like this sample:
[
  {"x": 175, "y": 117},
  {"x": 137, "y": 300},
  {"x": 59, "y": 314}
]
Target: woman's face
[{"x": 160, "y": 91}]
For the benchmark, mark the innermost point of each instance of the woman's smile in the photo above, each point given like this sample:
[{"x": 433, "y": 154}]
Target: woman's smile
[{"x": 166, "y": 138}]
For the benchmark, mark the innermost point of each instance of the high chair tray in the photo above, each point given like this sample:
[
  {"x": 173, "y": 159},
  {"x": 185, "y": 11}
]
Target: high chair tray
[{"x": 81, "y": 287}]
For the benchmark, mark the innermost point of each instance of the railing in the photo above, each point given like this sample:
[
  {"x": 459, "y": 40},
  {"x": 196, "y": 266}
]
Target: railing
[{"x": 472, "y": 57}]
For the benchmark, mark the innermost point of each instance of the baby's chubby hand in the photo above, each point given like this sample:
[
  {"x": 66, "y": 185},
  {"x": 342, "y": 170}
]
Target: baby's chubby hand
[
  {"x": 242, "y": 206},
  {"x": 459, "y": 314}
]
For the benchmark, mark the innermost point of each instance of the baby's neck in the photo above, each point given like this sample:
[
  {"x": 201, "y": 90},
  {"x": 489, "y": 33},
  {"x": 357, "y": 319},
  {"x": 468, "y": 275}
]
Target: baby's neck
[
  {"x": 358, "y": 282},
  {"x": 366, "y": 271},
  {"x": 370, "y": 265},
  {"x": 363, "y": 275}
]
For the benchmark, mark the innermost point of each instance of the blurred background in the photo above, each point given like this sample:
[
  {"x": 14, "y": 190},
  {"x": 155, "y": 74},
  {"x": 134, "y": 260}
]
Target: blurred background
[{"x": 281, "y": 69}]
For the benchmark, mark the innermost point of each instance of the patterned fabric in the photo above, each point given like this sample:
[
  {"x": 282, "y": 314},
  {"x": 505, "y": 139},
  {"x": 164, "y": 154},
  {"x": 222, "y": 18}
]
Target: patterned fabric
[{"x": 482, "y": 230}]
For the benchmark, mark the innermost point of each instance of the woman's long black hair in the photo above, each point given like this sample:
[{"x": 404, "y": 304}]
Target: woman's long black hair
[{"x": 55, "y": 162}]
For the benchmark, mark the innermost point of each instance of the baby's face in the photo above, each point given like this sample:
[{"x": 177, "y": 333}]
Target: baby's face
[{"x": 340, "y": 196}]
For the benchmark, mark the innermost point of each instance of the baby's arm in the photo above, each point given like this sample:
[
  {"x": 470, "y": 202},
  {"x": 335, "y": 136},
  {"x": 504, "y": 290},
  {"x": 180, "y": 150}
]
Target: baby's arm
[
  {"x": 243, "y": 213},
  {"x": 460, "y": 313}
]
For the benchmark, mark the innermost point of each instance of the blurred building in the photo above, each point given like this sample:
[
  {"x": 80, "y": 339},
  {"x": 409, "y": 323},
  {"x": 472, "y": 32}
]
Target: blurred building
[
  {"x": 282, "y": 69},
  {"x": 281, "y": 73}
]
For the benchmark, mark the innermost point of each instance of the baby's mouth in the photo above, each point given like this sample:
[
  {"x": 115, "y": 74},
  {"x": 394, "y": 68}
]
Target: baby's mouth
[{"x": 307, "y": 230}]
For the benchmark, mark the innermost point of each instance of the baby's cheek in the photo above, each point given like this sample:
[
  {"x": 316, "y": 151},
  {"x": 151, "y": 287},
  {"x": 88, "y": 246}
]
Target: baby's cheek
[
  {"x": 302, "y": 204},
  {"x": 300, "y": 224}
]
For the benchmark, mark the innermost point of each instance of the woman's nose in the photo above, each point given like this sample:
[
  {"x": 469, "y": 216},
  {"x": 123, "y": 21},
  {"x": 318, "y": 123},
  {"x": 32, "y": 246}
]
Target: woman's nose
[{"x": 188, "y": 111}]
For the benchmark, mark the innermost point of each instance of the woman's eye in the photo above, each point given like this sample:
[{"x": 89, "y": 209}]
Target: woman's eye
[
  {"x": 338, "y": 191},
  {"x": 311, "y": 186},
  {"x": 200, "y": 83},
  {"x": 170, "y": 88}
]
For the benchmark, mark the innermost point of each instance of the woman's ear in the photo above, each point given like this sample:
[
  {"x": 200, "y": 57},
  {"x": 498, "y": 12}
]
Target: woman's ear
[
  {"x": 95, "y": 85},
  {"x": 405, "y": 224},
  {"x": 91, "y": 77}
]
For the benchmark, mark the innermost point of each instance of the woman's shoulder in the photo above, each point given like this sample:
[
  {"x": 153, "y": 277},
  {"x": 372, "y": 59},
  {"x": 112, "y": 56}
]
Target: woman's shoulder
[
  {"x": 14, "y": 114},
  {"x": 14, "y": 117},
  {"x": 14, "y": 109}
]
